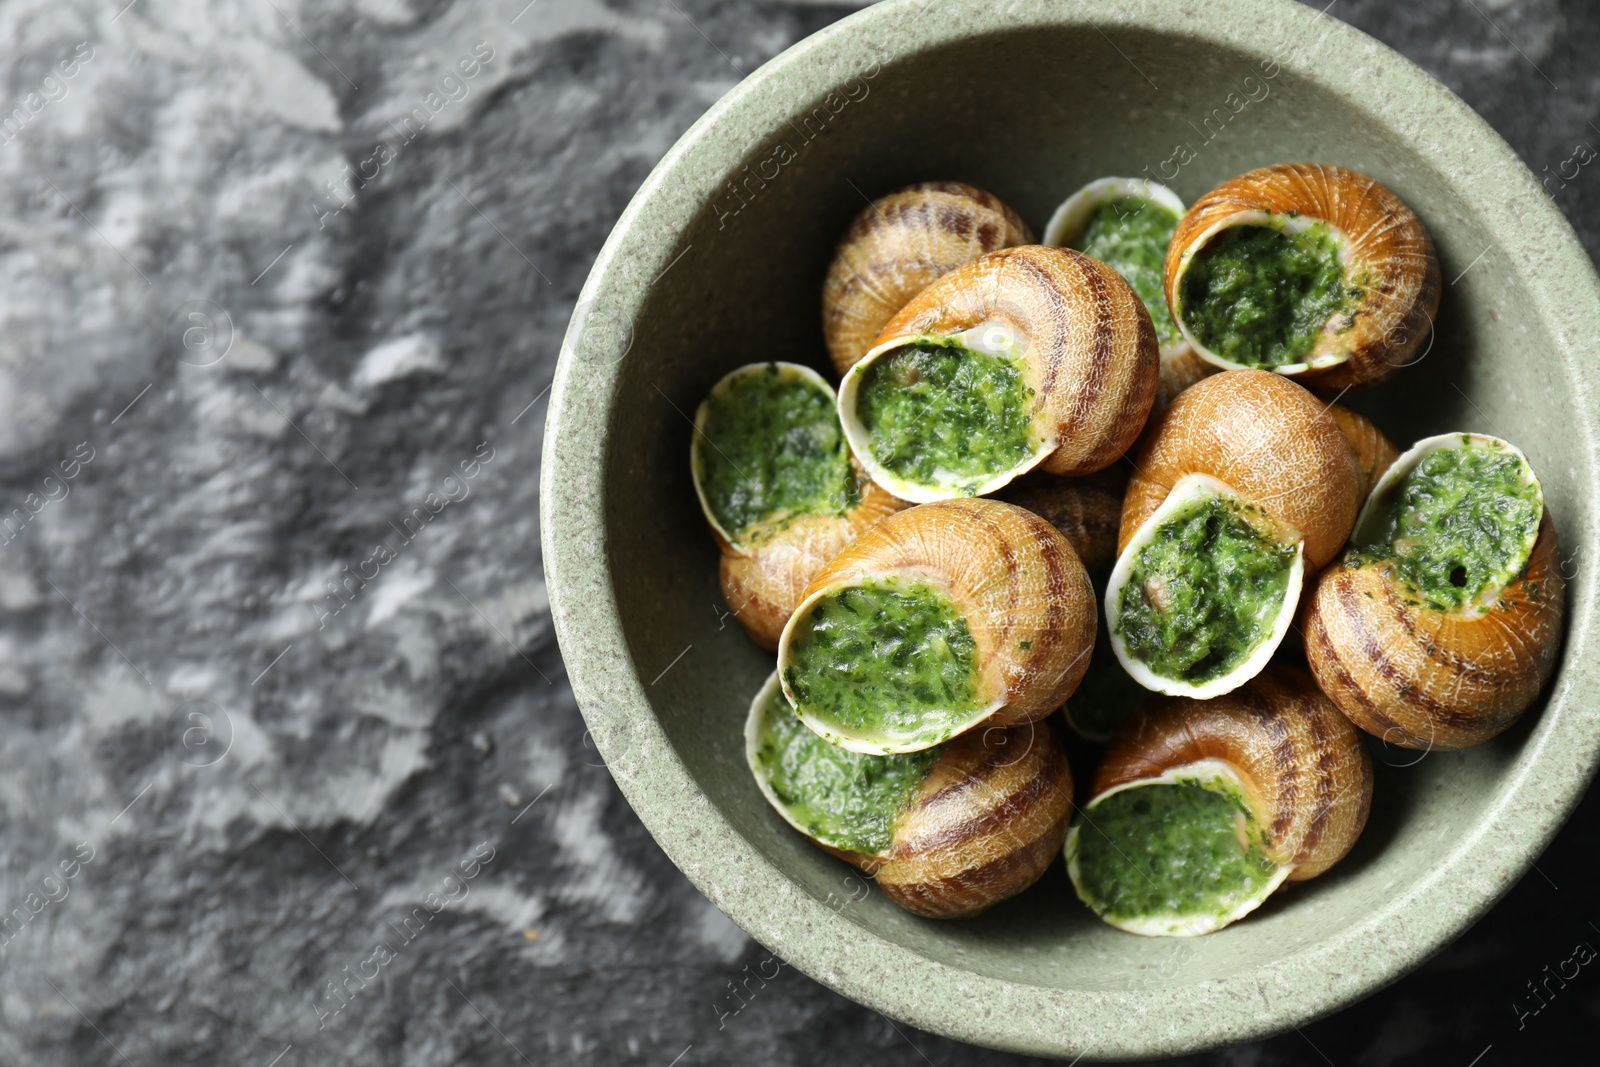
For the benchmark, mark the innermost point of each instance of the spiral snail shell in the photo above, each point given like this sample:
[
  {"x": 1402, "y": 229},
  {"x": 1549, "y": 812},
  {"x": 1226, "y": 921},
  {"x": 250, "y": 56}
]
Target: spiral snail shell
[
  {"x": 946, "y": 832},
  {"x": 778, "y": 488},
  {"x": 1375, "y": 453},
  {"x": 899, "y": 245},
  {"x": 1441, "y": 625},
  {"x": 1202, "y": 808},
  {"x": 939, "y": 619},
  {"x": 1244, "y": 484},
  {"x": 1306, "y": 269},
  {"x": 1085, "y": 510},
  {"x": 1027, "y": 357}
]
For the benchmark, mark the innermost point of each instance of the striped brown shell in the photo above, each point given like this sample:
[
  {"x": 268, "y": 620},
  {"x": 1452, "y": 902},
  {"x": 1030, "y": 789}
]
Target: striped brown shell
[
  {"x": 989, "y": 819},
  {"x": 1303, "y": 766},
  {"x": 1023, "y": 591},
  {"x": 1090, "y": 350},
  {"x": 763, "y": 583},
  {"x": 1085, "y": 510},
  {"x": 900, "y": 244},
  {"x": 1388, "y": 254},
  {"x": 1375, "y": 453},
  {"x": 1179, "y": 370},
  {"x": 1269, "y": 440},
  {"x": 1423, "y": 678}
]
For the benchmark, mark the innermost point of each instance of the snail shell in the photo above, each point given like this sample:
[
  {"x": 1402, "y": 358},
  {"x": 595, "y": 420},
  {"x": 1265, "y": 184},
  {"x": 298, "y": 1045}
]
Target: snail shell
[
  {"x": 987, "y": 820},
  {"x": 1269, "y": 440},
  {"x": 767, "y": 565},
  {"x": 1300, "y": 765},
  {"x": 1384, "y": 250},
  {"x": 1085, "y": 510},
  {"x": 1375, "y": 453},
  {"x": 1083, "y": 341},
  {"x": 898, "y": 246},
  {"x": 1012, "y": 578},
  {"x": 1425, "y": 677}
]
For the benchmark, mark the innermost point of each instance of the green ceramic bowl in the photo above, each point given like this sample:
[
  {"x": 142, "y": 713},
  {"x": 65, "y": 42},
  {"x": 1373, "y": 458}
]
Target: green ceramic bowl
[{"x": 719, "y": 261}]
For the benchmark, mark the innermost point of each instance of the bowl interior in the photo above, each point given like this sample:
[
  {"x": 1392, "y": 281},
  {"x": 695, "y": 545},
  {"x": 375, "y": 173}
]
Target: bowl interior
[{"x": 1075, "y": 102}]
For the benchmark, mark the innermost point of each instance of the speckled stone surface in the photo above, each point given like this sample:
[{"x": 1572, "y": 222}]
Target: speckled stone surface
[{"x": 269, "y": 327}]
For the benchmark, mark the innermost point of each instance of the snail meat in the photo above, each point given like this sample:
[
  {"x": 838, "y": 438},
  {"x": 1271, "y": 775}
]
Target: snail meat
[
  {"x": 938, "y": 619},
  {"x": 1441, "y": 625},
  {"x": 1305, "y": 269},
  {"x": 1028, "y": 357},
  {"x": 1202, "y": 808},
  {"x": 946, "y": 831}
]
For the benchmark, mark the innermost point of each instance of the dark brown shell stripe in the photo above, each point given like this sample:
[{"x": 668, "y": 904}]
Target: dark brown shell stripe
[
  {"x": 1459, "y": 679},
  {"x": 986, "y": 825},
  {"x": 1087, "y": 511},
  {"x": 1303, "y": 764}
]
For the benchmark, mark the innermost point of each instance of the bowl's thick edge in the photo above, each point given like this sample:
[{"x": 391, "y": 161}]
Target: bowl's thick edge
[{"x": 806, "y": 931}]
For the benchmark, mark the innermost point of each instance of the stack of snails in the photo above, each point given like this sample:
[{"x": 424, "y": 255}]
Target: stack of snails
[{"x": 1083, "y": 491}]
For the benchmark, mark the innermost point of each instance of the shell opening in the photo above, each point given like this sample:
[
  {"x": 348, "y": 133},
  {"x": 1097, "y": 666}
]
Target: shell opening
[
  {"x": 767, "y": 447},
  {"x": 1268, "y": 291},
  {"x": 937, "y": 418},
  {"x": 884, "y": 665},
  {"x": 1177, "y": 855},
  {"x": 1458, "y": 514},
  {"x": 1204, "y": 591}
]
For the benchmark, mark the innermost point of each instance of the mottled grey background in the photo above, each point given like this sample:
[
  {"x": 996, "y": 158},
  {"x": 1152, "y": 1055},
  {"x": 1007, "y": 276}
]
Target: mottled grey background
[{"x": 229, "y": 372}]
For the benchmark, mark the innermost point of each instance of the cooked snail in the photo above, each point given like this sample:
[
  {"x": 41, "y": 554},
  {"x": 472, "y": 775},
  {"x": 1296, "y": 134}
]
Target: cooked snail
[
  {"x": 1441, "y": 625},
  {"x": 938, "y": 619},
  {"x": 898, "y": 246},
  {"x": 946, "y": 832},
  {"x": 1202, "y": 808},
  {"x": 1307, "y": 270},
  {"x": 1244, "y": 484},
  {"x": 778, "y": 487},
  {"x": 1028, "y": 357},
  {"x": 1375, "y": 453}
]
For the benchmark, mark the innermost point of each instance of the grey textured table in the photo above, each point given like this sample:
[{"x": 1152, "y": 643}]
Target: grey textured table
[{"x": 289, "y": 771}]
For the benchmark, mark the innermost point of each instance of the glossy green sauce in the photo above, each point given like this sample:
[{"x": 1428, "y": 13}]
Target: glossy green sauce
[
  {"x": 1132, "y": 236},
  {"x": 844, "y": 799},
  {"x": 945, "y": 415},
  {"x": 771, "y": 447},
  {"x": 1203, "y": 593},
  {"x": 1257, "y": 296},
  {"x": 1461, "y": 521},
  {"x": 887, "y": 657},
  {"x": 1183, "y": 849}
]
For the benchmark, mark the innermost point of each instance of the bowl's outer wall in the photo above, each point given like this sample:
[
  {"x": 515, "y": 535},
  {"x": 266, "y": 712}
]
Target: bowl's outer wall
[{"x": 1031, "y": 102}]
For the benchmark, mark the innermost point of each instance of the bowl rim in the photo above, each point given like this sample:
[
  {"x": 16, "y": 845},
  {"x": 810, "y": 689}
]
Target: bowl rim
[{"x": 1559, "y": 756}]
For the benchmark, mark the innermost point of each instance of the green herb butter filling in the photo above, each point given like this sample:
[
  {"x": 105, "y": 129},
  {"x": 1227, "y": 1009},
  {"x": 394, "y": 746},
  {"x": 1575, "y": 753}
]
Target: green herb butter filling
[
  {"x": 840, "y": 798},
  {"x": 889, "y": 658},
  {"x": 942, "y": 415},
  {"x": 1186, "y": 850},
  {"x": 770, "y": 447},
  {"x": 1463, "y": 520},
  {"x": 1203, "y": 593},
  {"x": 1260, "y": 297},
  {"x": 1132, "y": 235}
]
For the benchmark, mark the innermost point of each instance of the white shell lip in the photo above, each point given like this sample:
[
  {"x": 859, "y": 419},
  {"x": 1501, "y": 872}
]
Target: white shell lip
[
  {"x": 1072, "y": 217},
  {"x": 1289, "y": 224},
  {"x": 1407, "y": 462},
  {"x": 786, "y": 370},
  {"x": 1173, "y": 925},
  {"x": 1189, "y": 490},
  {"x": 990, "y": 338},
  {"x": 872, "y": 744},
  {"x": 771, "y": 691}
]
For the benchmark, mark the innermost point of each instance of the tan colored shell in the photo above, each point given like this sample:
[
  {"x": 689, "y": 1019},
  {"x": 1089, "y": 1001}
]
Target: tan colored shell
[
  {"x": 1422, "y": 678},
  {"x": 899, "y": 245},
  {"x": 1387, "y": 252},
  {"x": 1085, "y": 510},
  {"x": 1022, "y": 589},
  {"x": 1268, "y": 439},
  {"x": 1179, "y": 370},
  {"x": 1090, "y": 353},
  {"x": 763, "y": 584},
  {"x": 1303, "y": 766},
  {"x": 1375, "y": 453}
]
